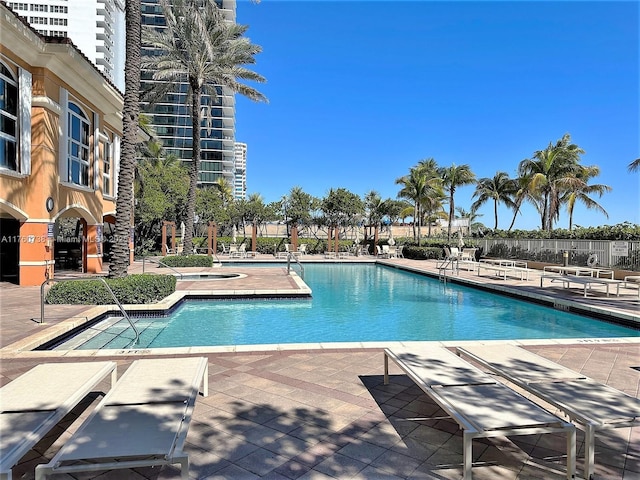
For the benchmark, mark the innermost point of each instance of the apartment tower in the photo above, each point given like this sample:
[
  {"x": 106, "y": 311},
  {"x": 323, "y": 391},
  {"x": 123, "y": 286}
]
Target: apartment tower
[
  {"x": 171, "y": 118},
  {"x": 240, "y": 185},
  {"x": 96, "y": 27}
]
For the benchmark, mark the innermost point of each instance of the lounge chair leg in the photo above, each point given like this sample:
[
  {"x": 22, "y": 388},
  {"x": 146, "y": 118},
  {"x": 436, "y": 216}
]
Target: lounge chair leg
[
  {"x": 185, "y": 469},
  {"x": 589, "y": 451},
  {"x": 571, "y": 452},
  {"x": 205, "y": 381},
  {"x": 386, "y": 369},
  {"x": 467, "y": 455}
]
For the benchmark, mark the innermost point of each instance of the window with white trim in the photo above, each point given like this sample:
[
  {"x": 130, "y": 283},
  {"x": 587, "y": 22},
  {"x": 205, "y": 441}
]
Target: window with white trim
[
  {"x": 8, "y": 120},
  {"x": 78, "y": 151},
  {"x": 107, "y": 162}
]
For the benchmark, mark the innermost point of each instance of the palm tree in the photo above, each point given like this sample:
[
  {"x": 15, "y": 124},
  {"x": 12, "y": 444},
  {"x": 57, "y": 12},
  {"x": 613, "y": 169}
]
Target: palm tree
[
  {"x": 416, "y": 187},
  {"x": 522, "y": 192},
  {"x": 452, "y": 178},
  {"x": 374, "y": 207},
  {"x": 130, "y": 112},
  {"x": 423, "y": 187},
  {"x": 499, "y": 189},
  {"x": 580, "y": 190},
  {"x": 550, "y": 170},
  {"x": 635, "y": 165},
  {"x": 200, "y": 48},
  {"x": 225, "y": 190}
]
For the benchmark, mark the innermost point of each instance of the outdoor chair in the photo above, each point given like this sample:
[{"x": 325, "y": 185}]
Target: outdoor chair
[
  {"x": 589, "y": 404},
  {"x": 142, "y": 421},
  {"x": 476, "y": 401},
  {"x": 35, "y": 402}
]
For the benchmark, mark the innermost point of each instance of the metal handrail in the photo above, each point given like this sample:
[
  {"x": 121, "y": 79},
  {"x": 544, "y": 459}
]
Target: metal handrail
[
  {"x": 120, "y": 307},
  {"x": 214, "y": 254},
  {"x": 442, "y": 269},
  {"x": 158, "y": 262},
  {"x": 289, "y": 257}
]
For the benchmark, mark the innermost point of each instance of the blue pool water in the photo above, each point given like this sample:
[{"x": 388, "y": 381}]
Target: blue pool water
[{"x": 355, "y": 303}]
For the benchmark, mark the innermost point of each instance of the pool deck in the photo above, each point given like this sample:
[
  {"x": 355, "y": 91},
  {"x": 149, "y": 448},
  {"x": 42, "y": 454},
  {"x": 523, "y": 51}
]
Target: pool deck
[{"x": 322, "y": 411}]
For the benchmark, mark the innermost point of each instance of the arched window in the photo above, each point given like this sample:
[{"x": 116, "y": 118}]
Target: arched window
[
  {"x": 8, "y": 119},
  {"x": 78, "y": 152}
]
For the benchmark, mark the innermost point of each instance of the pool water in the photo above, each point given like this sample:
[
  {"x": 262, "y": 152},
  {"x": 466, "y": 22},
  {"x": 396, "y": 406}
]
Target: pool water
[{"x": 353, "y": 303}]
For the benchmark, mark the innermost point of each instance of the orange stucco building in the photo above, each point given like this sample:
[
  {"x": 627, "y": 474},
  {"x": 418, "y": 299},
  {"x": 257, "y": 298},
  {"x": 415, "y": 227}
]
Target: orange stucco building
[{"x": 60, "y": 131}]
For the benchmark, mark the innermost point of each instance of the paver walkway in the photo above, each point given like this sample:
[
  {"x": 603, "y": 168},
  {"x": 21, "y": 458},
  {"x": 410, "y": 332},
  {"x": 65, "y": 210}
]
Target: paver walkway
[{"x": 325, "y": 414}]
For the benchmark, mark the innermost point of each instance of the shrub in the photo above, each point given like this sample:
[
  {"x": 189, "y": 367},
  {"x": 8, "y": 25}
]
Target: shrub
[
  {"x": 422, "y": 253},
  {"x": 187, "y": 261},
  {"x": 143, "y": 288}
]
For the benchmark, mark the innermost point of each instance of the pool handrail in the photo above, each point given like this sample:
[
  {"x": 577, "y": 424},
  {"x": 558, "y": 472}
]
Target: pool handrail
[
  {"x": 158, "y": 262},
  {"x": 289, "y": 257},
  {"x": 113, "y": 295}
]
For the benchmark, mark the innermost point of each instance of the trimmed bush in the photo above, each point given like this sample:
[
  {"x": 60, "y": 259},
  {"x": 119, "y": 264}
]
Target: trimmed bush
[
  {"x": 133, "y": 289},
  {"x": 422, "y": 253},
  {"x": 187, "y": 261}
]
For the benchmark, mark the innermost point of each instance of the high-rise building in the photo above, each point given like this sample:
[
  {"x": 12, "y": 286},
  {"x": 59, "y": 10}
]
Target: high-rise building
[
  {"x": 240, "y": 184},
  {"x": 171, "y": 118},
  {"x": 96, "y": 27}
]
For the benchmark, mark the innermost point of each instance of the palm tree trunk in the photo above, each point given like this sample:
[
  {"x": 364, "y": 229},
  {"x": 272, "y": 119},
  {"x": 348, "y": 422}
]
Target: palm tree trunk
[
  {"x": 495, "y": 213},
  {"x": 419, "y": 224},
  {"x": 195, "y": 166},
  {"x": 515, "y": 214},
  {"x": 124, "y": 202},
  {"x": 451, "y": 213}
]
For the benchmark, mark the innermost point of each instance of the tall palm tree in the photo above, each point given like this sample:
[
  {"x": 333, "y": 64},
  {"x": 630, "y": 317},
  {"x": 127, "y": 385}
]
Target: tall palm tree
[
  {"x": 522, "y": 192},
  {"x": 580, "y": 190},
  {"x": 453, "y": 177},
  {"x": 499, "y": 189},
  {"x": 418, "y": 186},
  {"x": 200, "y": 48},
  {"x": 130, "y": 112},
  {"x": 550, "y": 170},
  {"x": 635, "y": 165}
]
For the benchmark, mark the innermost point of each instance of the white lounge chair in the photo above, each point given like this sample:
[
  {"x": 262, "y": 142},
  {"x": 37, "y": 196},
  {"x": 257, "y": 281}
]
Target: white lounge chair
[
  {"x": 591, "y": 405},
  {"x": 35, "y": 402},
  {"x": 239, "y": 252},
  {"x": 142, "y": 421},
  {"x": 480, "y": 405},
  {"x": 632, "y": 279}
]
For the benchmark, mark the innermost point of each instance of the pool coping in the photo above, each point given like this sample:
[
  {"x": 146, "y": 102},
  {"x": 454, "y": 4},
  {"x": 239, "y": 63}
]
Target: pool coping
[{"x": 25, "y": 347}]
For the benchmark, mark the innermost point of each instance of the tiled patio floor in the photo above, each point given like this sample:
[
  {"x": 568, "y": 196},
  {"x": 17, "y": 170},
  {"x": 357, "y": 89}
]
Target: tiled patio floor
[{"x": 325, "y": 414}]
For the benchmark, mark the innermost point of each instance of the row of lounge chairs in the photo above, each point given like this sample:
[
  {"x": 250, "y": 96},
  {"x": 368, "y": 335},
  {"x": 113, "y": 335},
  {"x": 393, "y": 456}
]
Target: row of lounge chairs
[
  {"x": 584, "y": 277},
  {"x": 142, "y": 421},
  {"x": 144, "y": 418},
  {"x": 485, "y": 407}
]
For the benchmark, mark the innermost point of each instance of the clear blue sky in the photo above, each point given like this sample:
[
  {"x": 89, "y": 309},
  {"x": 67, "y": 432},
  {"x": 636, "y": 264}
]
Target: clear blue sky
[{"x": 360, "y": 91}]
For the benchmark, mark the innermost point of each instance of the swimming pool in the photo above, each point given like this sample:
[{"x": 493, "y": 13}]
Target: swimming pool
[{"x": 352, "y": 303}]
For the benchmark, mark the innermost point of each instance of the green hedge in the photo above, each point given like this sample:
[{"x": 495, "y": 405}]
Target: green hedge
[
  {"x": 132, "y": 289},
  {"x": 422, "y": 253},
  {"x": 187, "y": 261}
]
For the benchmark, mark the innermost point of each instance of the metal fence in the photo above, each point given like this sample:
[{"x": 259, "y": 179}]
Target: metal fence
[{"x": 607, "y": 253}]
